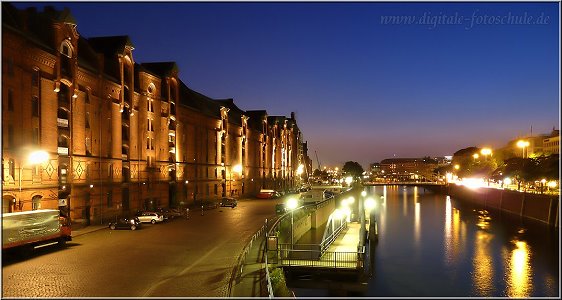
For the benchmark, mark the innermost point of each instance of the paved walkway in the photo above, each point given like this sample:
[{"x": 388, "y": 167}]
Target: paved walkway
[
  {"x": 348, "y": 241},
  {"x": 250, "y": 280}
]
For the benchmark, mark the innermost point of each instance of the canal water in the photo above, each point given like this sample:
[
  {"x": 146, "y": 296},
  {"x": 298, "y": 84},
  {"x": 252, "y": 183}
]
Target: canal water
[{"x": 431, "y": 245}]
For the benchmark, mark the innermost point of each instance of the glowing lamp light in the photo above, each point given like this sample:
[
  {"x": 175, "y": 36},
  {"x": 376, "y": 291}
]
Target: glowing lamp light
[
  {"x": 457, "y": 167},
  {"x": 300, "y": 169},
  {"x": 507, "y": 180},
  {"x": 338, "y": 214},
  {"x": 370, "y": 203},
  {"x": 522, "y": 144},
  {"x": 486, "y": 151},
  {"x": 38, "y": 157},
  {"x": 237, "y": 168},
  {"x": 543, "y": 181},
  {"x": 475, "y": 155},
  {"x": 292, "y": 203},
  {"x": 363, "y": 193},
  {"x": 552, "y": 184},
  {"x": 351, "y": 200},
  {"x": 348, "y": 180},
  {"x": 473, "y": 183}
]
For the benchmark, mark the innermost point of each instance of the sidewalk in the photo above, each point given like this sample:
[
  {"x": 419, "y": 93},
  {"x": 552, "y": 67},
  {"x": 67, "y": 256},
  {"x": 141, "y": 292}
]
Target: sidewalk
[
  {"x": 248, "y": 281},
  {"x": 80, "y": 229}
]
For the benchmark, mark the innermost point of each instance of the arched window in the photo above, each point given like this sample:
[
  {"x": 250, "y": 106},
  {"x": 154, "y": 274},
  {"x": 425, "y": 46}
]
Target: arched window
[
  {"x": 65, "y": 58},
  {"x": 8, "y": 204},
  {"x": 36, "y": 202},
  {"x": 66, "y": 49}
]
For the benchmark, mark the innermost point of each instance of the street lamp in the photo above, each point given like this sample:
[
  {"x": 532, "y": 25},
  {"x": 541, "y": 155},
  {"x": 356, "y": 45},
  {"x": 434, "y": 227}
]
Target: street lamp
[
  {"x": 292, "y": 203},
  {"x": 238, "y": 169},
  {"x": 224, "y": 184},
  {"x": 486, "y": 152},
  {"x": 34, "y": 158},
  {"x": 523, "y": 144}
]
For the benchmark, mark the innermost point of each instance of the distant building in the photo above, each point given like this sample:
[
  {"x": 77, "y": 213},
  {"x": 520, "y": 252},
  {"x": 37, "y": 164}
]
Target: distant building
[
  {"x": 404, "y": 169},
  {"x": 121, "y": 135},
  {"x": 551, "y": 145},
  {"x": 542, "y": 144}
]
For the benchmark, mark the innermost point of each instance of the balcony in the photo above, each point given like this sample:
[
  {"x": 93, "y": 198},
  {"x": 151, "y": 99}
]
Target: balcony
[{"x": 62, "y": 122}]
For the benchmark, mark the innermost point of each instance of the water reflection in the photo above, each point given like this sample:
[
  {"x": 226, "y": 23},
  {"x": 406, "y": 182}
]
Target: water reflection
[
  {"x": 405, "y": 201},
  {"x": 455, "y": 233},
  {"x": 417, "y": 226},
  {"x": 456, "y": 249},
  {"x": 519, "y": 270},
  {"x": 482, "y": 263}
]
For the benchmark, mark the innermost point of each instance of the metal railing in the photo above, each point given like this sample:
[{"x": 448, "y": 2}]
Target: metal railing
[
  {"x": 268, "y": 277},
  {"x": 325, "y": 243},
  {"x": 238, "y": 269},
  {"x": 317, "y": 258}
]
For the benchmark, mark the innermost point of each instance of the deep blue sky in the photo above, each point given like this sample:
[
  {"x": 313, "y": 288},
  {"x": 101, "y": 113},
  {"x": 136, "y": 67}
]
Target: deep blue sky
[{"x": 361, "y": 90}]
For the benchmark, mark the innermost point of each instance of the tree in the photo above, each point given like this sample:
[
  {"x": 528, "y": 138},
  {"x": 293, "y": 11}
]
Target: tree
[
  {"x": 353, "y": 168},
  {"x": 469, "y": 166}
]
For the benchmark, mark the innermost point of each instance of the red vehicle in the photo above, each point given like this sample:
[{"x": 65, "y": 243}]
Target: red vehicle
[
  {"x": 29, "y": 229},
  {"x": 267, "y": 194}
]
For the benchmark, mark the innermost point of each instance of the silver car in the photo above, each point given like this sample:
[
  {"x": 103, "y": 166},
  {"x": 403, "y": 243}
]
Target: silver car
[{"x": 150, "y": 217}]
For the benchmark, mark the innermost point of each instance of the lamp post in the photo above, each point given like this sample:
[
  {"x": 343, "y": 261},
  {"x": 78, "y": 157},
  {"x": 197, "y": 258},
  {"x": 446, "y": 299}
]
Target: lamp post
[
  {"x": 299, "y": 172},
  {"x": 292, "y": 203},
  {"x": 523, "y": 144},
  {"x": 34, "y": 158},
  {"x": 224, "y": 181},
  {"x": 238, "y": 169}
]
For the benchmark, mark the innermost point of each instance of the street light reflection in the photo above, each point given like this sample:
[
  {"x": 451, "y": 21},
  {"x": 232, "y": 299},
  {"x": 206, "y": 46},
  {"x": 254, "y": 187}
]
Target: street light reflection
[
  {"x": 483, "y": 264},
  {"x": 520, "y": 273}
]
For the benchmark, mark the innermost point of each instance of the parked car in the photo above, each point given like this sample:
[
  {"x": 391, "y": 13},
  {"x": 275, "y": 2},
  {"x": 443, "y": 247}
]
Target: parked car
[
  {"x": 150, "y": 217},
  {"x": 209, "y": 204},
  {"x": 268, "y": 194},
  {"x": 126, "y": 223},
  {"x": 174, "y": 212},
  {"x": 280, "y": 208},
  {"x": 228, "y": 201},
  {"x": 168, "y": 213}
]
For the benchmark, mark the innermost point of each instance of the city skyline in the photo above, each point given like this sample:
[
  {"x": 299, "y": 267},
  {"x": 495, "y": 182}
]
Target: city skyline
[{"x": 363, "y": 87}]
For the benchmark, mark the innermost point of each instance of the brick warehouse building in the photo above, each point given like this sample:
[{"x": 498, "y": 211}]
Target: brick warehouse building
[{"x": 122, "y": 135}]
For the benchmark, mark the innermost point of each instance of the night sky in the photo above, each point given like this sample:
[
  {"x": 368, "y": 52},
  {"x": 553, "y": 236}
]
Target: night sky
[{"x": 362, "y": 90}]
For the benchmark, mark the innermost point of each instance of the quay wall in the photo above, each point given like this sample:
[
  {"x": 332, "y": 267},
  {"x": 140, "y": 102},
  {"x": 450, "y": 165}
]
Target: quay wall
[{"x": 540, "y": 207}]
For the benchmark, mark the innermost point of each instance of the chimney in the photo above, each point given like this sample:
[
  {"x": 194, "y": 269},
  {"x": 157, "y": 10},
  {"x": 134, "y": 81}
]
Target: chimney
[{"x": 292, "y": 115}]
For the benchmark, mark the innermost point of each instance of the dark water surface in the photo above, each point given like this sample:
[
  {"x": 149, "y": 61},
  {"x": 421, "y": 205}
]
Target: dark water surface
[{"x": 431, "y": 245}]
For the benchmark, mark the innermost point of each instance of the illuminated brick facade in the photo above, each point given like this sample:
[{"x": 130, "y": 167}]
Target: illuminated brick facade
[{"x": 123, "y": 135}]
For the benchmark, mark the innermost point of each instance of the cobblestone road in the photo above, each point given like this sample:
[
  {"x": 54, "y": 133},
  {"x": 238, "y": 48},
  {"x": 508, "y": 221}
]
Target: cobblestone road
[{"x": 179, "y": 258}]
